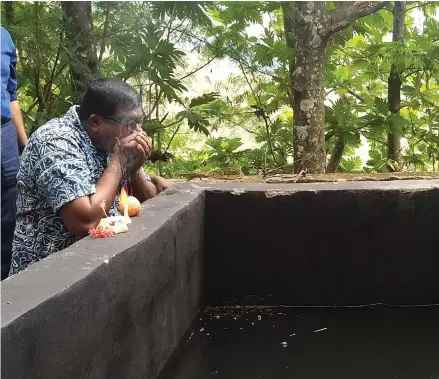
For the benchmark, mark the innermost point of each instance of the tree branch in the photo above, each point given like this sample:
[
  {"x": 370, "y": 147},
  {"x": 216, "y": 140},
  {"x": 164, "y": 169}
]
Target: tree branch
[
  {"x": 422, "y": 5},
  {"x": 156, "y": 104},
  {"x": 197, "y": 69},
  {"x": 218, "y": 50},
  {"x": 32, "y": 106},
  {"x": 152, "y": 130},
  {"x": 40, "y": 94},
  {"x": 356, "y": 95},
  {"x": 60, "y": 70},
  {"x": 345, "y": 15},
  {"x": 332, "y": 133},
  {"x": 172, "y": 138},
  {"x": 52, "y": 74},
  {"x": 104, "y": 33},
  {"x": 258, "y": 100}
]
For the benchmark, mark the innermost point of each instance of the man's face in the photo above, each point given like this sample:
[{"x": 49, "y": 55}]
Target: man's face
[{"x": 112, "y": 129}]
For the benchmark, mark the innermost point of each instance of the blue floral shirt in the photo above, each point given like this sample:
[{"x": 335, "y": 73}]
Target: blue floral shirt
[{"x": 59, "y": 164}]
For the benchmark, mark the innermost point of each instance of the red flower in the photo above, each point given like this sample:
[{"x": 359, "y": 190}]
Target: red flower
[{"x": 101, "y": 232}]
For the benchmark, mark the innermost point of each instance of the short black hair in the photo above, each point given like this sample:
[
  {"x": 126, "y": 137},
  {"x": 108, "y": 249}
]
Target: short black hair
[{"x": 105, "y": 96}]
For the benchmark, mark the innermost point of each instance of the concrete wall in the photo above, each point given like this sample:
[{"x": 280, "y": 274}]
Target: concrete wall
[
  {"x": 110, "y": 308},
  {"x": 117, "y": 307},
  {"x": 323, "y": 244}
]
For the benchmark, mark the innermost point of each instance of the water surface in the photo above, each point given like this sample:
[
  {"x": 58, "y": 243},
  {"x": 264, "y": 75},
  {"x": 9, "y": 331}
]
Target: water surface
[{"x": 303, "y": 343}]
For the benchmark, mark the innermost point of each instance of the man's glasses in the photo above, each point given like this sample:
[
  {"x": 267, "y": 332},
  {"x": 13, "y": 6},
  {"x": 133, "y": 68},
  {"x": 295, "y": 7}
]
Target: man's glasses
[{"x": 129, "y": 123}]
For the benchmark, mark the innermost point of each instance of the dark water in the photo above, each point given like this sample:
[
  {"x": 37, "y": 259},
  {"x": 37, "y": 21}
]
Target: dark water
[{"x": 303, "y": 343}]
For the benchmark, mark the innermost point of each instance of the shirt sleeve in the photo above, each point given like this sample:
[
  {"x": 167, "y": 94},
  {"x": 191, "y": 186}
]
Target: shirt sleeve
[
  {"x": 12, "y": 80},
  {"x": 62, "y": 175}
]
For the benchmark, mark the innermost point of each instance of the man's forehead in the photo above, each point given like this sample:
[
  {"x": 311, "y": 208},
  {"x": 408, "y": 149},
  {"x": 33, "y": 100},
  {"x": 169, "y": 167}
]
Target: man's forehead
[{"x": 130, "y": 114}]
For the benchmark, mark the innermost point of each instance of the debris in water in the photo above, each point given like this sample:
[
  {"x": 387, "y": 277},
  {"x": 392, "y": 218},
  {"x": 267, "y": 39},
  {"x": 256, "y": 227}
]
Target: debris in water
[
  {"x": 291, "y": 335},
  {"x": 320, "y": 330},
  {"x": 190, "y": 337},
  {"x": 214, "y": 373},
  {"x": 284, "y": 344},
  {"x": 234, "y": 318},
  {"x": 259, "y": 317},
  {"x": 202, "y": 329},
  {"x": 253, "y": 324}
]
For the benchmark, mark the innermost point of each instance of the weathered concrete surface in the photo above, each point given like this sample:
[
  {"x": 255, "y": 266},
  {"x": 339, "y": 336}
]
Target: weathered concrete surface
[
  {"x": 323, "y": 244},
  {"x": 400, "y": 185},
  {"x": 111, "y": 308}
]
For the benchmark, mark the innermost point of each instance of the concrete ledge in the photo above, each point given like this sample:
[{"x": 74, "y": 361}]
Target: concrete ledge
[
  {"x": 400, "y": 185},
  {"x": 112, "y": 308}
]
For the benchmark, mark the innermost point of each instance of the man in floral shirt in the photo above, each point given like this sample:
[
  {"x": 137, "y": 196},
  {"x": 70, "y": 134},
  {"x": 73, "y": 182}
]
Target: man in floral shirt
[{"x": 73, "y": 165}]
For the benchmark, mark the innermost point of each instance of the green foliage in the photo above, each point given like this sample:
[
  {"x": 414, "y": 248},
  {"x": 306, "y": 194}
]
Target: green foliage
[
  {"x": 351, "y": 164},
  {"x": 149, "y": 44},
  {"x": 221, "y": 152}
]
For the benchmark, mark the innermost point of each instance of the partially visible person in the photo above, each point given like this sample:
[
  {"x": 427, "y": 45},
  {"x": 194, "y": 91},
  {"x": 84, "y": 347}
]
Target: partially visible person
[
  {"x": 73, "y": 165},
  {"x": 13, "y": 139}
]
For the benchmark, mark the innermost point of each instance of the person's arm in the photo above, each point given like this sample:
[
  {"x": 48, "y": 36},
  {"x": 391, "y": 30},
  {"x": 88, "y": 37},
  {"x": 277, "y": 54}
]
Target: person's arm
[
  {"x": 142, "y": 188},
  {"x": 84, "y": 213},
  {"x": 160, "y": 183},
  {"x": 17, "y": 118},
  {"x": 145, "y": 186},
  {"x": 66, "y": 182}
]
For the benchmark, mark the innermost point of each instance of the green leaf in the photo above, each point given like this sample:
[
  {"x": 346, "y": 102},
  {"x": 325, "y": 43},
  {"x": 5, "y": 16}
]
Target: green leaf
[
  {"x": 409, "y": 91},
  {"x": 382, "y": 106},
  {"x": 195, "y": 121},
  {"x": 152, "y": 126},
  {"x": 398, "y": 121},
  {"x": 351, "y": 164},
  {"x": 203, "y": 99}
]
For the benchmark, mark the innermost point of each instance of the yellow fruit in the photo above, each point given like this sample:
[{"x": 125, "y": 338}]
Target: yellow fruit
[{"x": 133, "y": 206}]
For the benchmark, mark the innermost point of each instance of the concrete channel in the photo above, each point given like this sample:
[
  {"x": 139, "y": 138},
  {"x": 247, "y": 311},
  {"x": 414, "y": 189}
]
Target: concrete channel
[{"x": 119, "y": 307}]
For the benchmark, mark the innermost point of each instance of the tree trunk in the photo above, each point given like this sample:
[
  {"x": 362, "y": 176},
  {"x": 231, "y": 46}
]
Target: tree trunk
[
  {"x": 313, "y": 26},
  {"x": 337, "y": 154},
  {"x": 9, "y": 12},
  {"x": 394, "y": 87},
  {"x": 78, "y": 25},
  {"x": 308, "y": 100}
]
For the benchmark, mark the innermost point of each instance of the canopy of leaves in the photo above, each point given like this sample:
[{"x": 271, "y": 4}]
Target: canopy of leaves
[{"x": 150, "y": 45}]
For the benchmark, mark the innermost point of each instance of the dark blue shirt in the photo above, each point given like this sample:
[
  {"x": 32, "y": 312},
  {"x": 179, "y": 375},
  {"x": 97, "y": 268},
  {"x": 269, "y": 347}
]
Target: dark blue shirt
[{"x": 9, "y": 77}]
